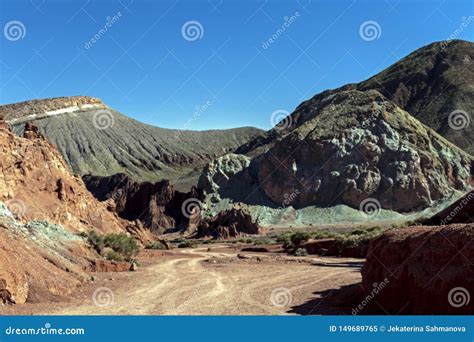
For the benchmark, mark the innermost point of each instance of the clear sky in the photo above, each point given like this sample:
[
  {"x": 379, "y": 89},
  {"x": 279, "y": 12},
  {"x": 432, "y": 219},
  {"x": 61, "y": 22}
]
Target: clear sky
[{"x": 223, "y": 71}]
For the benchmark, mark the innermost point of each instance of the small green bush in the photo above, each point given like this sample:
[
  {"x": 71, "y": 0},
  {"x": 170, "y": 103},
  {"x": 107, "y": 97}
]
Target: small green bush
[
  {"x": 301, "y": 252},
  {"x": 96, "y": 241},
  {"x": 156, "y": 245},
  {"x": 122, "y": 244},
  {"x": 299, "y": 238},
  {"x": 187, "y": 244},
  {"x": 112, "y": 255},
  {"x": 285, "y": 239}
]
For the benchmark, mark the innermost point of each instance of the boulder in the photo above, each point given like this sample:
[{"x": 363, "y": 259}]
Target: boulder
[{"x": 426, "y": 270}]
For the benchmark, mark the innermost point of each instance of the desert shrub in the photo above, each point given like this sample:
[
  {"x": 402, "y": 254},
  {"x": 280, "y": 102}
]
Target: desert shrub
[
  {"x": 122, "y": 244},
  {"x": 187, "y": 244},
  {"x": 323, "y": 234},
  {"x": 301, "y": 252},
  {"x": 95, "y": 240},
  {"x": 359, "y": 236},
  {"x": 156, "y": 245},
  {"x": 285, "y": 239},
  {"x": 112, "y": 255},
  {"x": 263, "y": 241},
  {"x": 298, "y": 238}
]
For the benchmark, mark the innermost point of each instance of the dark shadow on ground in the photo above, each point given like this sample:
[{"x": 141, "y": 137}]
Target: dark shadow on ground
[
  {"x": 349, "y": 264},
  {"x": 340, "y": 301}
]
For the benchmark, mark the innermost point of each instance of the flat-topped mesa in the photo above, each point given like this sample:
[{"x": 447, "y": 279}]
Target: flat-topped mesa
[{"x": 36, "y": 109}]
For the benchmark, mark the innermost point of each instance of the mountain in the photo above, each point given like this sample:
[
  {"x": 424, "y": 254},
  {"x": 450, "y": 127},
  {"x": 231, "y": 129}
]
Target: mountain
[
  {"x": 94, "y": 139},
  {"x": 430, "y": 84},
  {"x": 350, "y": 147}
]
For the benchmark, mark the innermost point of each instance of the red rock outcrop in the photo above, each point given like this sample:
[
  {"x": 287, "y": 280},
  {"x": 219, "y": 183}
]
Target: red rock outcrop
[
  {"x": 230, "y": 223},
  {"x": 41, "y": 256},
  {"x": 36, "y": 184},
  {"x": 158, "y": 206},
  {"x": 426, "y": 270}
]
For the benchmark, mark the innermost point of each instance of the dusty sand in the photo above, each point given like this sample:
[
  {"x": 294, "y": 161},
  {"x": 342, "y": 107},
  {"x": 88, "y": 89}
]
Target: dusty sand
[{"x": 210, "y": 282}]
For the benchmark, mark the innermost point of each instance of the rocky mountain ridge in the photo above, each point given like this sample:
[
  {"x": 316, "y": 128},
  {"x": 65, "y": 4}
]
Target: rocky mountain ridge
[
  {"x": 354, "y": 146},
  {"x": 95, "y": 139}
]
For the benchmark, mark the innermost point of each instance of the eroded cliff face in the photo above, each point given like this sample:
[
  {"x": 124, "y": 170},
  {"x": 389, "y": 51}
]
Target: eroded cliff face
[
  {"x": 158, "y": 206},
  {"x": 36, "y": 184},
  {"x": 424, "y": 270}
]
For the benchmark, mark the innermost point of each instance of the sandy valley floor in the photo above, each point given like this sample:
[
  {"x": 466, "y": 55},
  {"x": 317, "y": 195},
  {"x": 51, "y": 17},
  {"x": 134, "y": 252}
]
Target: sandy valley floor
[{"x": 212, "y": 281}]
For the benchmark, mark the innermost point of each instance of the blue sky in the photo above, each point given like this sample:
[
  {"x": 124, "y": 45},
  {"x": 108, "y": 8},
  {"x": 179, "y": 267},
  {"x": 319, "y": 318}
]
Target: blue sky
[{"x": 145, "y": 67}]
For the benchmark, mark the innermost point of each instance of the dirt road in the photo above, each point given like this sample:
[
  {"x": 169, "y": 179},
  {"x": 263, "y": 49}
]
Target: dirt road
[{"x": 201, "y": 282}]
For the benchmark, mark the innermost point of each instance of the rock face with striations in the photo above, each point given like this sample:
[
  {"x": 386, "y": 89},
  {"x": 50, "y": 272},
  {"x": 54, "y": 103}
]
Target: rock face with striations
[
  {"x": 157, "y": 205},
  {"x": 427, "y": 270},
  {"x": 358, "y": 145}
]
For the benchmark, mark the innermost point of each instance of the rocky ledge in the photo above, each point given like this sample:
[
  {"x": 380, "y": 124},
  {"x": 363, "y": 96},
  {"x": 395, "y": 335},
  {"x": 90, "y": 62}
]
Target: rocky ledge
[{"x": 30, "y": 110}]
